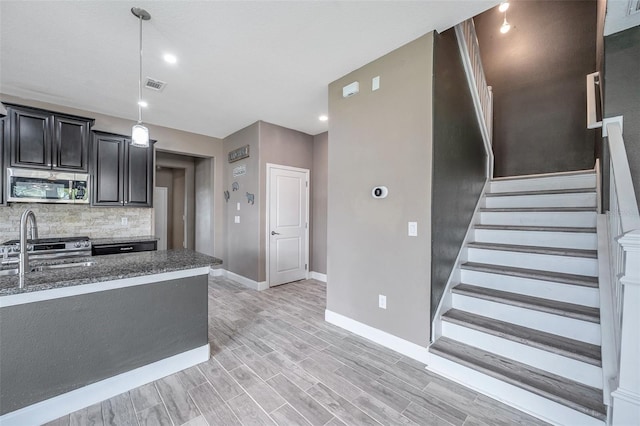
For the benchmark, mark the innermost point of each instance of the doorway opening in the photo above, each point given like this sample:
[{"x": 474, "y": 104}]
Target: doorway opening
[{"x": 183, "y": 203}]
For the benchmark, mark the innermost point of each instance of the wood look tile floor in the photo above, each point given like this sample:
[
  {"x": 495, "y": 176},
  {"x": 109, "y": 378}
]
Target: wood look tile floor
[{"x": 275, "y": 361}]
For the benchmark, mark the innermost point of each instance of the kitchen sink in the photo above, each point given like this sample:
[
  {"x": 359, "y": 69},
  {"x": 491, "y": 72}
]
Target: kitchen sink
[
  {"x": 5, "y": 272},
  {"x": 14, "y": 271},
  {"x": 62, "y": 265}
]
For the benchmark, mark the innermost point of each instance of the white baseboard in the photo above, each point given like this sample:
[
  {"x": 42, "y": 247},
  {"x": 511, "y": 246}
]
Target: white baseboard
[
  {"x": 247, "y": 282},
  {"x": 318, "y": 276},
  {"x": 383, "y": 338},
  {"x": 58, "y": 406}
]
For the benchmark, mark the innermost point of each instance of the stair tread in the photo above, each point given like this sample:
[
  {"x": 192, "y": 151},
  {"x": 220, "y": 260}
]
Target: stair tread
[
  {"x": 570, "y": 310},
  {"x": 537, "y": 209},
  {"x": 555, "y": 251},
  {"x": 537, "y": 228},
  {"x": 542, "y": 192},
  {"x": 582, "y": 398},
  {"x": 569, "y": 348},
  {"x": 558, "y": 277},
  {"x": 544, "y": 175}
]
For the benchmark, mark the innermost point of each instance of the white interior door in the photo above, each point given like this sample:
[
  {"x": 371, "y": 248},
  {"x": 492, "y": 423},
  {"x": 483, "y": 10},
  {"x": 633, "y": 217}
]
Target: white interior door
[
  {"x": 160, "y": 212},
  {"x": 288, "y": 197}
]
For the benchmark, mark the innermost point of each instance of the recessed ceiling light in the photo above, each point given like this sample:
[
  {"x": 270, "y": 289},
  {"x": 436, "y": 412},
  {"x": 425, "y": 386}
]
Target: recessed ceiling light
[
  {"x": 169, "y": 58},
  {"x": 503, "y": 6},
  {"x": 143, "y": 104},
  {"x": 323, "y": 118}
]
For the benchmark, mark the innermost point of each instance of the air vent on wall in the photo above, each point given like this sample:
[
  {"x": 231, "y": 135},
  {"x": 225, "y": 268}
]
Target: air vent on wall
[
  {"x": 634, "y": 7},
  {"x": 153, "y": 84}
]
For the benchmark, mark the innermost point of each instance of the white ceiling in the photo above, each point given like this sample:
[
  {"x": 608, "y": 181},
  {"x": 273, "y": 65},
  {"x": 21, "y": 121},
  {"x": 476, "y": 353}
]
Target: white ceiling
[{"x": 238, "y": 61}]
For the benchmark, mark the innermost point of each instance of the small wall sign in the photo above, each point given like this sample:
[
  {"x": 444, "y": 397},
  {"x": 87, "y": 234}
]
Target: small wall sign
[
  {"x": 239, "y": 154},
  {"x": 240, "y": 170}
]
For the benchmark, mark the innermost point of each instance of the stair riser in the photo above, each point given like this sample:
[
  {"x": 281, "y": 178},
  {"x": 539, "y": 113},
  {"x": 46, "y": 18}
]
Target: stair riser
[
  {"x": 560, "y": 365},
  {"x": 576, "y": 219},
  {"x": 568, "y": 293},
  {"x": 587, "y": 199},
  {"x": 545, "y": 183},
  {"x": 512, "y": 395},
  {"x": 577, "y": 240},
  {"x": 562, "y": 326},
  {"x": 541, "y": 262}
]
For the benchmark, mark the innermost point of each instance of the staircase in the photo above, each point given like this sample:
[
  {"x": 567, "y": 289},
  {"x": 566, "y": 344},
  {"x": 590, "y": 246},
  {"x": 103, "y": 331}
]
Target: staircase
[{"x": 524, "y": 322}]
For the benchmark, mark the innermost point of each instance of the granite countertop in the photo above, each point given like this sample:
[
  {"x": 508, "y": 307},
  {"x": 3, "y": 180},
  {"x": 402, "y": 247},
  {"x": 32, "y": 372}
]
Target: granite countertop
[
  {"x": 125, "y": 240},
  {"x": 108, "y": 268}
]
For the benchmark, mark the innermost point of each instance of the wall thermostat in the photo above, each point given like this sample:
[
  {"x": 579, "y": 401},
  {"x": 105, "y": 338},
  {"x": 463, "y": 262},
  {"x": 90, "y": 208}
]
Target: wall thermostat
[
  {"x": 379, "y": 192},
  {"x": 350, "y": 89}
]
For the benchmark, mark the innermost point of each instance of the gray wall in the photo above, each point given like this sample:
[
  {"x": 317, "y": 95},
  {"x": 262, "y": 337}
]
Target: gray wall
[
  {"x": 319, "y": 182},
  {"x": 243, "y": 239},
  {"x": 285, "y": 147},
  {"x": 538, "y": 71},
  {"x": 382, "y": 138},
  {"x": 55, "y": 346},
  {"x": 459, "y": 161},
  {"x": 622, "y": 92},
  {"x": 205, "y": 206}
]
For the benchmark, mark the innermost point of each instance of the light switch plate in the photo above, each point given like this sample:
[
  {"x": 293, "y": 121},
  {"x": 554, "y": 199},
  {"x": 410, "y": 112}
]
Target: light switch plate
[
  {"x": 375, "y": 83},
  {"x": 236, "y": 219},
  {"x": 382, "y": 301},
  {"x": 238, "y": 206},
  {"x": 413, "y": 229}
]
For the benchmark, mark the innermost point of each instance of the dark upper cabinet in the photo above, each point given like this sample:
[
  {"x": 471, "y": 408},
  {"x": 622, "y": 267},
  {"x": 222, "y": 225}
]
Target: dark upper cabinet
[
  {"x": 122, "y": 174},
  {"x": 71, "y": 144},
  {"x": 40, "y": 139}
]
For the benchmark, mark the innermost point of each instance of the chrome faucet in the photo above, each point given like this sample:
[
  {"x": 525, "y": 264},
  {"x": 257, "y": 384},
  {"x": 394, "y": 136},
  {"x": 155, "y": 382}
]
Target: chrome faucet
[{"x": 27, "y": 215}]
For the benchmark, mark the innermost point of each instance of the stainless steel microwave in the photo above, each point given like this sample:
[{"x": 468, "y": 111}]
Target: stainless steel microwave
[{"x": 47, "y": 186}]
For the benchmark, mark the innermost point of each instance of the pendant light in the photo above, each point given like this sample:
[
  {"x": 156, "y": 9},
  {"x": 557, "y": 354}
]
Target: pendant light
[{"x": 139, "y": 133}]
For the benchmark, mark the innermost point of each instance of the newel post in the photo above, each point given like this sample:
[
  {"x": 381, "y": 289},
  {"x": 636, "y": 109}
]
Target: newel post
[{"x": 626, "y": 399}]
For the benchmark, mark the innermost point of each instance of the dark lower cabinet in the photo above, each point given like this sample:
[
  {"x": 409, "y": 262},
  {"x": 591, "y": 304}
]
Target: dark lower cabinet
[
  {"x": 122, "y": 174},
  {"x": 41, "y": 139}
]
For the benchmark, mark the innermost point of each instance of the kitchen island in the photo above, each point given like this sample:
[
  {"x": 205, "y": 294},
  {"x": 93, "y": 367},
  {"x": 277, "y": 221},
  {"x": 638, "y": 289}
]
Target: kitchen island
[{"x": 76, "y": 336}]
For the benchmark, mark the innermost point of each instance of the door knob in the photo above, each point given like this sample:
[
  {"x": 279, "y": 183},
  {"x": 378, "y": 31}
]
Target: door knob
[{"x": 275, "y": 233}]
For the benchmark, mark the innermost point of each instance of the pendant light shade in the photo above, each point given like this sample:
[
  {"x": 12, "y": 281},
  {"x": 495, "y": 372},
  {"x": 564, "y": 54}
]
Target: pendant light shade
[
  {"x": 140, "y": 136},
  {"x": 139, "y": 133}
]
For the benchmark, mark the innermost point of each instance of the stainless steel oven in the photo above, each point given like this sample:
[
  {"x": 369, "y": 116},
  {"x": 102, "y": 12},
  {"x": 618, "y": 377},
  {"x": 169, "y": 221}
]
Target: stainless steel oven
[{"x": 46, "y": 186}]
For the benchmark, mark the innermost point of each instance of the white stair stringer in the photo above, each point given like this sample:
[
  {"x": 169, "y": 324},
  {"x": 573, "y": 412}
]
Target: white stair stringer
[
  {"x": 509, "y": 394},
  {"x": 523, "y": 325}
]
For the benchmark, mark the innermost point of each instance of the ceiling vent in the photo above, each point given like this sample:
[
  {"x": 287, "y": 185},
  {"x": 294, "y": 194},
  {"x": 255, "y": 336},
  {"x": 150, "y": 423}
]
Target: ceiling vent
[
  {"x": 634, "y": 7},
  {"x": 157, "y": 85}
]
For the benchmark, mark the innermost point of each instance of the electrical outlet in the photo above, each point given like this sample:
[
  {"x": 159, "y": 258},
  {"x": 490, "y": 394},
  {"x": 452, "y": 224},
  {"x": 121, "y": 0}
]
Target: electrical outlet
[
  {"x": 124, "y": 221},
  {"x": 236, "y": 219},
  {"x": 238, "y": 206},
  {"x": 382, "y": 301},
  {"x": 413, "y": 229}
]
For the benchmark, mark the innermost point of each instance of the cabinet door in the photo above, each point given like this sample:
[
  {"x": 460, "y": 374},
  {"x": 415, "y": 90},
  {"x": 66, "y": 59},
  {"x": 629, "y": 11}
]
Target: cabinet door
[
  {"x": 71, "y": 144},
  {"x": 30, "y": 139},
  {"x": 108, "y": 171},
  {"x": 139, "y": 176}
]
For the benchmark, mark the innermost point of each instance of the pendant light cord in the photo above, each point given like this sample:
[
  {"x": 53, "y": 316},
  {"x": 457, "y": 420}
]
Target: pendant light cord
[{"x": 140, "y": 76}]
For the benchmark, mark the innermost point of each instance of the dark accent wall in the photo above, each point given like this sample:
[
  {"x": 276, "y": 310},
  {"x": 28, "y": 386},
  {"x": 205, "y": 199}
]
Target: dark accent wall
[
  {"x": 538, "y": 71},
  {"x": 622, "y": 92},
  {"x": 55, "y": 346},
  {"x": 459, "y": 161}
]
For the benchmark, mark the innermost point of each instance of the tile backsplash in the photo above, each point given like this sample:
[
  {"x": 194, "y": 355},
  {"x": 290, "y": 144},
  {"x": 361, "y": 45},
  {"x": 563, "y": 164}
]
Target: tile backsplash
[{"x": 67, "y": 220}]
